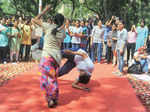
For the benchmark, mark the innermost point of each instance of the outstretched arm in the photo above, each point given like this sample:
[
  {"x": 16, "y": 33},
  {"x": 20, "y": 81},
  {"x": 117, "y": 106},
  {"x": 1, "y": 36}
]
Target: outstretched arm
[
  {"x": 43, "y": 12},
  {"x": 37, "y": 20},
  {"x": 84, "y": 55}
]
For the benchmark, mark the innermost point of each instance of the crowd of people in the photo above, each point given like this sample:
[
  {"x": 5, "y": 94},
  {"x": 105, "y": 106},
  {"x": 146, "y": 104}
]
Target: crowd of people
[
  {"x": 15, "y": 34},
  {"x": 92, "y": 37}
]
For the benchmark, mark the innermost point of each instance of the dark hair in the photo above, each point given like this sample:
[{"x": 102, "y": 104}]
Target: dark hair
[
  {"x": 114, "y": 25},
  {"x": 78, "y": 20},
  {"x": 83, "y": 21},
  {"x": 142, "y": 21},
  {"x": 28, "y": 21},
  {"x": 84, "y": 78},
  {"x": 67, "y": 20},
  {"x": 58, "y": 20},
  {"x": 122, "y": 22}
]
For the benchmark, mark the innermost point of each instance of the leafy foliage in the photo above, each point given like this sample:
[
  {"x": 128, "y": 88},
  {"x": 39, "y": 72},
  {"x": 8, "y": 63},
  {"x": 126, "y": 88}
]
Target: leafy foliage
[{"x": 131, "y": 11}]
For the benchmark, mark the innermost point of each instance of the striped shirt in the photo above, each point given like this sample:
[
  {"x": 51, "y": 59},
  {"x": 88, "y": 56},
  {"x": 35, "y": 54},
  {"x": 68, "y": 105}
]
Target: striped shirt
[{"x": 97, "y": 34}]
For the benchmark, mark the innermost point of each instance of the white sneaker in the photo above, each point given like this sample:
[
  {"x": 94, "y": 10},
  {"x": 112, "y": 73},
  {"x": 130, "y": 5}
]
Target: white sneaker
[
  {"x": 5, "y": 62},
  {"x": 14, "y": 63}
]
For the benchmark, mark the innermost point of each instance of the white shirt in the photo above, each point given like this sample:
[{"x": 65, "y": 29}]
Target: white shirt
[
  {"x": 76, "y": 40},
  {"x": 97, "y": 34},
  {"x": 84, "y": 64}
]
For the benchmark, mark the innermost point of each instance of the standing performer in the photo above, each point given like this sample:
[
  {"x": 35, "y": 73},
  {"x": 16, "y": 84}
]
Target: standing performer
[
  {"x": 51, "y": 56},
  {"x": 84, "y": 64}
]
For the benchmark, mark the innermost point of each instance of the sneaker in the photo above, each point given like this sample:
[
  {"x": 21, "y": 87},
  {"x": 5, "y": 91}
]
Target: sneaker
[
  {"x": 114, "y": 72},
  {"x": 119, "y": 74},
  {"x": 14, "y": 63},
  {"x": 4, "y": 62}
]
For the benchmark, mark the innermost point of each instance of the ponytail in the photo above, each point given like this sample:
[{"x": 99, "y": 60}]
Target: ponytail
[{"x": 59, "y": 20}]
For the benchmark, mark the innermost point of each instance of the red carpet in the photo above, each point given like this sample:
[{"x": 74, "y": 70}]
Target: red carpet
[{"x": 108, "y": 94}]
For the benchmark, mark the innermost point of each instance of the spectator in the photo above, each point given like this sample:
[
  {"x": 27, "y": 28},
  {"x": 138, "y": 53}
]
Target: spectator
[
  {"x": 142, "y": 34},
  {"x": 3, "y": 41},
  {"x": 14, "y": 42},
  {"x": 131, "y": 42},
  {"x": 97, "y": 38},
  {"x": 84, "y": 38},
  {"x": 76, "y": 35},
  {"x": 121, "y": 45},
  {"x": 67, "y": 39},
  {"x": 26, "y": 40},
  {"x": 114, "y": 35}
]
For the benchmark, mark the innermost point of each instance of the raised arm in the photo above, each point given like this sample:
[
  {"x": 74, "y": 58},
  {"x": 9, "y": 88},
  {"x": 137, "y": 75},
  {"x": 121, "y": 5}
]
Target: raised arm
[
  {"x": 37, "y": 20},
  {"x": 43, "y": 12}
]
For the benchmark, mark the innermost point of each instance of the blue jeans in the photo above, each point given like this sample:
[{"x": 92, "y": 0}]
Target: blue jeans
[
  {"x": 96, "y": 49},
  {"x": 144, "y": 65},
  {"x": 75, "y": 46},
  {"x": 105, "y": 49},
  {"x": 120, "y": 60},
  {"x": 66, "y": 45},
  {"x": 84, "y": 44},
  {"x": 66, "y": 68}
]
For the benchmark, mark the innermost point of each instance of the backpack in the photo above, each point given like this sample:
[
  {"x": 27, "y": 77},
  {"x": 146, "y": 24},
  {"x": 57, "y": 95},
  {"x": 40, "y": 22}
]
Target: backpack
[{"x": 135, "y": 68}]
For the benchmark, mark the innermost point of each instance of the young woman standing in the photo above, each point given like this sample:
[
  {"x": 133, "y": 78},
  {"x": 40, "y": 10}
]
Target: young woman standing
[
  {"x": 114, "y": 43},
  {"x": 131, "y": 42},
  {"x": 51, "y": 56},
  {"x": 121, "y": 45},
  {"x": 97, "y": 38},
  {"x": 14, "y": 42},
  {"x": 26, "y": 40},
  {"x": 67, "y": 39}
]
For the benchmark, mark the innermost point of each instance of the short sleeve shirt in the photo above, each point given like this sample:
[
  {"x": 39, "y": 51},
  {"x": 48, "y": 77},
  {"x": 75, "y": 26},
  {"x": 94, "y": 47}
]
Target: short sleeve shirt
[
  {"x": 84, "y": 64},
  {"x": 52, "y": 43},
  {"x": 76, "y": 40}
]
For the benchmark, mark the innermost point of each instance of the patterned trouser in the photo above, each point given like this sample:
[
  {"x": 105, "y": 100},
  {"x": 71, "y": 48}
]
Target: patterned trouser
[{"x": 48, "y": 69}]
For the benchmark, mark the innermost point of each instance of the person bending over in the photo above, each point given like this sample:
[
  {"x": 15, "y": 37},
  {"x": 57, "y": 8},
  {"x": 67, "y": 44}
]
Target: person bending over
[{"x": 80, "y": 59}]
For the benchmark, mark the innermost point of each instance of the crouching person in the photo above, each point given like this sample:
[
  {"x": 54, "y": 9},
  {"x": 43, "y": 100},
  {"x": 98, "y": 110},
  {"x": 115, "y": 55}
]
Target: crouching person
[{"x": 140, "y": 62}]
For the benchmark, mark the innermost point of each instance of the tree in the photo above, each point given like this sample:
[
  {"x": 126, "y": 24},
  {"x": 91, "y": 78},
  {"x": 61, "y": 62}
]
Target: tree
[
  {"x": 131, "y": 11},
  {"x": 30, "y": 7}
]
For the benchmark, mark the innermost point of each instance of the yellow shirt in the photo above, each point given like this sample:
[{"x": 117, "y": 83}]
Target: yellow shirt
[{"x": 27, "y": 31}]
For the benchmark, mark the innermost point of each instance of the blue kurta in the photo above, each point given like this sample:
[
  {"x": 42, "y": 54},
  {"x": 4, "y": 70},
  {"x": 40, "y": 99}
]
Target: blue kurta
[
  {"x": 142, "y": 34},
  {"x": 3, "y": 36}
]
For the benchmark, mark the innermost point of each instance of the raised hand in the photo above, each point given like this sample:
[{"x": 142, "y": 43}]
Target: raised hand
[{"x": 47, "y": 7}]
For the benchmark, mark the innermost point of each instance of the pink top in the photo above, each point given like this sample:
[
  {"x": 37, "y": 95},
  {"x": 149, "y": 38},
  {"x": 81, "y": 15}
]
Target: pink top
[{"x": 132, "y": 37}]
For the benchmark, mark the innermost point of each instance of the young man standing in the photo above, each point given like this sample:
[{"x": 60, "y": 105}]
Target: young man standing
[{"x": 121, "y": 45}]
